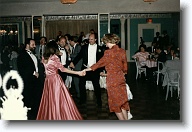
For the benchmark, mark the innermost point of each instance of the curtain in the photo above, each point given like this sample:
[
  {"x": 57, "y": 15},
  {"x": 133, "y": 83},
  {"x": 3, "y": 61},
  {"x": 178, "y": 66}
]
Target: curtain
[{"x": 72, "y": 27}]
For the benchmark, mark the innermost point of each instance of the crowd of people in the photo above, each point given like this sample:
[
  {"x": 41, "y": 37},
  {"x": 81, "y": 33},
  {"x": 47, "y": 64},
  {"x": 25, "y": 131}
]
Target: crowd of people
[
  {"x": 51, "y": 67},
  {"x": 45, "y": 69},
  {"x": 161, "y": 50}
]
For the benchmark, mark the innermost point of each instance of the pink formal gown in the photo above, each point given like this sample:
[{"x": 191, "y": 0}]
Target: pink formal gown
[{"x": 56, "y": 102}]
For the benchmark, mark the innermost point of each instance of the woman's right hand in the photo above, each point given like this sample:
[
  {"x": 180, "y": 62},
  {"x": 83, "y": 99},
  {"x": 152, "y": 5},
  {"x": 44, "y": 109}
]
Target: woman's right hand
[{"x": 82, "y": 73}]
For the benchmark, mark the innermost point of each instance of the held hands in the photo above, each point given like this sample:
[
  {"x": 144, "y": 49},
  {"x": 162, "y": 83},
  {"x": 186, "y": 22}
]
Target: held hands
[{"x": 82, "y": 73}]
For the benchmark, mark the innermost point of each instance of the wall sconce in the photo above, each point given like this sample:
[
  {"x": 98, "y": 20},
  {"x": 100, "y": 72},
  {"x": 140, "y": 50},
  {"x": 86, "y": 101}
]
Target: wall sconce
[
  {"x": 149, "y": 20},
  {"x": 36, "y": 31},
  {"x": 68, "y": 1},
  {"x": 3, "y": 32}
]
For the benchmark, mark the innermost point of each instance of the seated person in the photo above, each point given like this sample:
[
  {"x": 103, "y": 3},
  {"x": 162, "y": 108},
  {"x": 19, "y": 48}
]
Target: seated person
[
  {"x": 141, "y": 56},
  {"x": 170, "y": 53},
  {"x": 161, "y": 57},
  {"x": 171, "y": 65},
  {"x": 176, "y": 55}
]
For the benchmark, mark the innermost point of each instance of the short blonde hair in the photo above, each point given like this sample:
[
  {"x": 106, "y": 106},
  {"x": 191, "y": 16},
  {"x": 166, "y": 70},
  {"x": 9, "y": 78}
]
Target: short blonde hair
[{"x": 110, "y": 38}]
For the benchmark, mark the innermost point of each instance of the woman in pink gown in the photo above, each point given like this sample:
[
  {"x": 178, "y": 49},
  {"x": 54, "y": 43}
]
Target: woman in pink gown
[{"x": 56, "y": 102}]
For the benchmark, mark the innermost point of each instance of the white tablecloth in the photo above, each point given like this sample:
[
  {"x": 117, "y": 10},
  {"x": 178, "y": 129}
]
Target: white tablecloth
[{"x": 151, "y": 63}]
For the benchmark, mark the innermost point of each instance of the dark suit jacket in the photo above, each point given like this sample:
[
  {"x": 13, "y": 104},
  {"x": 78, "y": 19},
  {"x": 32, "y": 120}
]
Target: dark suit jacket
[
  {"x": 76, "y": 51},
  {"x": 162, "y": 58},
  {"x": 32, "y": 86},
  {"x": 26, "y": 65},
  {"x": 83, "y": 54},
  {"x": 158, "y": 42}
]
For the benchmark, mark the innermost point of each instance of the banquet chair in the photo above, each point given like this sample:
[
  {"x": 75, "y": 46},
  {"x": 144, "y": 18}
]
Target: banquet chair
[
  {"x": 173, "y": 81},
  {"x": 139, "y": 69},
  {"x": 158, "y": 72}
]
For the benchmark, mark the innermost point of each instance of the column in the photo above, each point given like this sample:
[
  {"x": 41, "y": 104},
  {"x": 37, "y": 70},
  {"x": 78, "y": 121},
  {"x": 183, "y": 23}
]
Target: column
[
  {"x": 41, "y": 28},
  {"x": 128, "y": 40},
  {"x": 122, "y": 32},
  {"x": 28, "y": 22}
]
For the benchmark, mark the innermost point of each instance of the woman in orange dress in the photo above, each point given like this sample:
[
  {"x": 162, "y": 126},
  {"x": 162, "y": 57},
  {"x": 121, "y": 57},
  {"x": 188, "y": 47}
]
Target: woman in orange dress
[{"x": 115, "y": 63}]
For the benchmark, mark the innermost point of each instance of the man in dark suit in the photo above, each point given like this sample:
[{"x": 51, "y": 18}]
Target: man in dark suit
[
  {"x": 75, "y": 51},
  {"x": 40, "y": 49},
  {"x": 157, "y": 40},
  {"x": 165, "y": 40},
  {"x": 64, "y": 56},
  {"x": 32, "y": 73},
  {"x": 90, "y": 54}
]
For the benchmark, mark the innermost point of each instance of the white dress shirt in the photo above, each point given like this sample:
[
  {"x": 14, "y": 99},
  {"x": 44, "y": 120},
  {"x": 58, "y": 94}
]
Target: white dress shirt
[
  {"x": 63, "y": 57},
  {"x": 92, "y": 49}
]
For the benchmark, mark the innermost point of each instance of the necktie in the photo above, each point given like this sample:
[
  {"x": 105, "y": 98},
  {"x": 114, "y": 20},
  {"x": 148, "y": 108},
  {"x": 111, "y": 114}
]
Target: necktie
[
  {"x": 40, "y": 51},
  {"x": 72, "y": 50}
]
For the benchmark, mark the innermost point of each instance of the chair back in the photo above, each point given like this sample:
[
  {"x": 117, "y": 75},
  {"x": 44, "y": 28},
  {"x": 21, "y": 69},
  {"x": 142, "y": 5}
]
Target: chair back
[
  {"x": 173, "y": 81},
  {"x": 139, "y": 68},
  {"x": 136, "y": 63},
  {"x": 173, "y": 76},
  {"x": 160, "y": 65}
]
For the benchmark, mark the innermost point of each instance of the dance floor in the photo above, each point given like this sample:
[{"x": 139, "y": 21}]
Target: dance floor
[{"x": 148, "y": 101}]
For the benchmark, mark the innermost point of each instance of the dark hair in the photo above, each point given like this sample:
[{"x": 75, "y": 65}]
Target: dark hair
[
  {"x": 67, "y": 35},
  {"x": 51, "y": 49},
  {"x": 44, "y": 38},
  {"x": 159, "y": 47},
  {"x": 27, "y": 41},
  {"x": 142, "y": 45},
  {"x": 177, "y": 53},
  {"x": 74, "y": 38}
]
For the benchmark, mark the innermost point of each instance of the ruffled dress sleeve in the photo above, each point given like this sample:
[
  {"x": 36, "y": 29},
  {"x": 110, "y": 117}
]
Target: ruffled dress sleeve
[{"x": 58, "y": 63}]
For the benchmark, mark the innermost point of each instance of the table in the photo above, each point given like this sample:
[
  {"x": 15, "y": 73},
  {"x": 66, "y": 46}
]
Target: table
[{"x": 151, "y": 63}]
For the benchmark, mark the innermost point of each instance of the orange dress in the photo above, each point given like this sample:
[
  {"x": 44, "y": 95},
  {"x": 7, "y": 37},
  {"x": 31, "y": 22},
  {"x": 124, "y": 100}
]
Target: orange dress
[{"x": 115, "y": 63}]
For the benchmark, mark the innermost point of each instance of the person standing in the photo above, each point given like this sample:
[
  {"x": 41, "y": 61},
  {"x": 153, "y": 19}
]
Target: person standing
[
  {"x": 90, "y": 54},
  {"x": 63, "y": 56},
  {"x": 157, "y": 40},
  {"x": 40, "y": 49},
  {"x": 165, "y": 40},
  {"x": 30, "y": 70},
  {"x": 115, "y": 63},
  {"x": 56, "y": 102},
  {"x": 75, "y": 50},
  {"x": 59, "y": 34}
]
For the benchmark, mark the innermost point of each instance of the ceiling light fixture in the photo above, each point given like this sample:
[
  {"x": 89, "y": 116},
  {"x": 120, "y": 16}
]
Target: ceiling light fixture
[{"x": 68, "y": 1}]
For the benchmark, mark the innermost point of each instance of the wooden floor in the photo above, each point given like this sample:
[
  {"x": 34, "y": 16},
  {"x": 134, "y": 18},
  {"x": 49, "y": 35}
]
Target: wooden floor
[{"x": 148, "y": 101}]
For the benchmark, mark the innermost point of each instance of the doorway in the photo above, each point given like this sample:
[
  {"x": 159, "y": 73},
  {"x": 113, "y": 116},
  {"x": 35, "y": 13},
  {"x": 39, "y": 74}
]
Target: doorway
[{"x": 147, "y": 32}]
